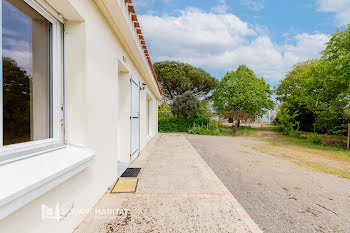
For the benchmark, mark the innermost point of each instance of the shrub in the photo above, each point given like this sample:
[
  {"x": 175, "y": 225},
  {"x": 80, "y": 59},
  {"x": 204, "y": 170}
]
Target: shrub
[
  {"x": 204, "y": 110},
  {"x": 298, "y": 134},
  {"x": 285, "y": 122},
  {"x": 164, "y": 111},
  {"x": 314, "y": 138},
  {"x": 202, "y": 130},
  {"x": 171, "y": 124},
  {"x": 185, "y": 105}
]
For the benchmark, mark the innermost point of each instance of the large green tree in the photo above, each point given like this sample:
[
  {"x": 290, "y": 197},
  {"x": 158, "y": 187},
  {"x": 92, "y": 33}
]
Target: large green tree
[
  {"x": 319, "y": 90},
  {"x": 175, "y": 78},
  {"x": 293, "y": 93},
  {"x": 185, "y": 105},
  {"x": 332, "y": 81},
  {"x": 242, "y": 90}
]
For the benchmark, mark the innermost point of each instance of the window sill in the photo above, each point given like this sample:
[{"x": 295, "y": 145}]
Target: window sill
[{"x": 25, "y": 180}]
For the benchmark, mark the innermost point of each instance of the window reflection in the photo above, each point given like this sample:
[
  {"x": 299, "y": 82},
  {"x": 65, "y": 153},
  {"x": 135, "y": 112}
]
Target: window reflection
[{"x": 26, "y": 73}]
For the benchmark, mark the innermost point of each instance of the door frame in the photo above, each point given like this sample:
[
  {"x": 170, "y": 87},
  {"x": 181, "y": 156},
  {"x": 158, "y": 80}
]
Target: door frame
[{"x": 134, "y": 155}]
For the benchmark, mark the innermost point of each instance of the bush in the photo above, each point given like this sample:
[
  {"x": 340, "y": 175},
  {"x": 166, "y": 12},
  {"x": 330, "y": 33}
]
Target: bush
[
  {"x": 164, "y": 111},
  {"x": 202, "y": 130},
  {"x": 185, "y": 105},
  {"x": 173, "y": 125},
  {"x": 204, "y": 110},
  {"x": 314, "y": 138},
  {"x": 298, "y": 134},
  {"x": 285, "y": 122}
]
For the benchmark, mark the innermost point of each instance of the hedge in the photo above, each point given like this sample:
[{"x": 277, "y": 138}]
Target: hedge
[{"x": 173, "y": 125}]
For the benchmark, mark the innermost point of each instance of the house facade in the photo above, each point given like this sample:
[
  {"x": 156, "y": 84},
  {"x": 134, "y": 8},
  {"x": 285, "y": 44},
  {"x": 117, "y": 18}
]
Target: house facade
[{"x": 79, "y": 103}]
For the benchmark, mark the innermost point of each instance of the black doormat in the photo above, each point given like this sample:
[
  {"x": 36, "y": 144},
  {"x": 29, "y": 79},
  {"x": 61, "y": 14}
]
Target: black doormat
[{"x": 131, "y": 172}]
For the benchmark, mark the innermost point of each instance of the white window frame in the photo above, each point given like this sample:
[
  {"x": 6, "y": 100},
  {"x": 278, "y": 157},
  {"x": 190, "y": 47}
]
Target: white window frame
[{"x": 17, "y": 151}]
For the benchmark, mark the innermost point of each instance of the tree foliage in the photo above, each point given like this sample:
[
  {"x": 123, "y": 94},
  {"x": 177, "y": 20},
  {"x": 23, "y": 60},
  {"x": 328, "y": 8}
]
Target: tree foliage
[
  {"x": 286, "y": 122},
  {"x": 320, "y": 89},
  {"x": 175, "y": 78},
  {"x": 238, "y": 116},
  {"x": 16, "y": 102},
  {"x": 292, "y": 92},
  {"x": 164, "y": 110},
  {"x": 205, "y": 110},
  {"x": 185, "y": 105},
  {"x": 242, "y": 90}
]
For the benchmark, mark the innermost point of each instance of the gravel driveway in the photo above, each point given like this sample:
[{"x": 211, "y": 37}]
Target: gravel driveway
[{"x": 279, "y": 195}]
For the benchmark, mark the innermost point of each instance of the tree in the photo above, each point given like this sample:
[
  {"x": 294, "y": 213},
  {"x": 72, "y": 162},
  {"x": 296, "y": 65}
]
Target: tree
[
  {"x": 205, "y": 110},
  {"x": 238, "y": 116},
  {"x": 320, "y": 89},
  {"x": 175, "y": 78},
  {"x": 164, "y": 110},
  {"x": 185, "y": 105},
  {"x": 285, "y": 121},
  {"x": 293, "y": 93},
  {"x": 16, "y": 100},
  {"x": 333, "y": 83},
  {"x": 242, "y": 90}
]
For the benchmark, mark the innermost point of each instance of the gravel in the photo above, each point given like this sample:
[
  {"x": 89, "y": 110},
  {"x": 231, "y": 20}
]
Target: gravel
[{"x": 279, "y": 195}]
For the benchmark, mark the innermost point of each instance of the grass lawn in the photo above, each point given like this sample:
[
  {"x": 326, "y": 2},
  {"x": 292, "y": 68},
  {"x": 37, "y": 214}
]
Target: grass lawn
[
  {"x": 243, "y": 130},
  {"x": 321, "y": 147},
  {"x": 317, "y": 157}
]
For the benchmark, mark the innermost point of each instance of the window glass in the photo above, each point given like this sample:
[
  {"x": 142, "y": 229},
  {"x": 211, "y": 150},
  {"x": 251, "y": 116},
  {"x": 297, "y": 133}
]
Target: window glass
[{"x": 26, "y": 73}]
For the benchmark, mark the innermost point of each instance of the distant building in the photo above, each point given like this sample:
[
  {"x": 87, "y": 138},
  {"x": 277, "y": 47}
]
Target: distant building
[{"x": 269, "y": 117}]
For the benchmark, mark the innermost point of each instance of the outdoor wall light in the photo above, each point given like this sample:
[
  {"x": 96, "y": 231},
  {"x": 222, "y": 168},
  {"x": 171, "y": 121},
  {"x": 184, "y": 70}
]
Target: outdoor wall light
[{"x": 143, "y": 86}]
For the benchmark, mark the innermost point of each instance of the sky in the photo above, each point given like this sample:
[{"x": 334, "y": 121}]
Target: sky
[{"x": 269, "y": 36}]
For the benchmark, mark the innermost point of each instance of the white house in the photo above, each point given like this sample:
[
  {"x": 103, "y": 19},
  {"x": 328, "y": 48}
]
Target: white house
[{"x": 78, "y": 104}]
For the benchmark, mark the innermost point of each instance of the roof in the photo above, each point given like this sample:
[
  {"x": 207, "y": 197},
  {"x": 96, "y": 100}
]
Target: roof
[{"x": 137, "y": 27}]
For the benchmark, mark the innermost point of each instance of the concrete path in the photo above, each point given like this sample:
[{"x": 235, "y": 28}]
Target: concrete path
[
  {"x": 279, "y": 195},
  {"x": 177, "y": 192}
]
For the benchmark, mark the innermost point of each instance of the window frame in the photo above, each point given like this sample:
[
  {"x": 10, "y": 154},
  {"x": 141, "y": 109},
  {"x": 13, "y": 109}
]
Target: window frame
[{"x": 9, "y": 153}]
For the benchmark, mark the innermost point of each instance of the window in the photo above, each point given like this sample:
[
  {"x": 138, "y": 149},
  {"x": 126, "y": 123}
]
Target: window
[{"x": 32, "y": 106}]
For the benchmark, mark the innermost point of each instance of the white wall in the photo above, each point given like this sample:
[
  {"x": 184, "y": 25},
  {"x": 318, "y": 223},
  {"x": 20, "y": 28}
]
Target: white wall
[{"x": 92, "y": 77}]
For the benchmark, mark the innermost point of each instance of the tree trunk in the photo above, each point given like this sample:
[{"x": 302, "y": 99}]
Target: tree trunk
[{"x": 238, "y": 123}]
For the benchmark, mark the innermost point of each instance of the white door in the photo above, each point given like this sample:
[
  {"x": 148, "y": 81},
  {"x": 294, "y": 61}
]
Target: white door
[
  {"x": 135, "y": 119},
  {"x": 147, "y": 117}
]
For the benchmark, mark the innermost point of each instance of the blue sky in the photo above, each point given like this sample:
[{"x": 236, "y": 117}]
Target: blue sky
[{"x": 217, "y": 35}]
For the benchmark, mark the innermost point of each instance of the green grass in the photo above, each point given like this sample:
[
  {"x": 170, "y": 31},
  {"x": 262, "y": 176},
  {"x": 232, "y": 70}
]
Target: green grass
[
  {"x": 322, "y": 168},
  {"x": 243, "y": 130},
  {"x": 320, "y": 147}
]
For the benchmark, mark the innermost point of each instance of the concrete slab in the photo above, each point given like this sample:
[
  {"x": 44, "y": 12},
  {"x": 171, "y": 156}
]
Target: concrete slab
[
  {"x": 167, "y": 215},
  {"x": 177, "y": 192},
  {"x": 172, "y": 167}
]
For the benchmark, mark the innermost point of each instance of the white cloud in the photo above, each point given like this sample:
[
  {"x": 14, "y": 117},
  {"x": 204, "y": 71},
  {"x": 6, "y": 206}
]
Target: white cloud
[
  {"x": 221, "y": 8},
  {"x": 254, "y": 5},
  {"x": 221, "y": 42},
  {"x": 341, "y": 8},
  {"x": 143, "y": 3},
  {"x": 20, "y": 51}
]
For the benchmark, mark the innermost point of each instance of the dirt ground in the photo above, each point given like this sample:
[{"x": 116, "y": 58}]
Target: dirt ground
[{"x": 280, "y": 184}]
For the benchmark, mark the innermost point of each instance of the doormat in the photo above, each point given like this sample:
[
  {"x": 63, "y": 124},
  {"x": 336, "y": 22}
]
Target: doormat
[
  {"x": 125, "y": 185},
  {"x": 131, "y": 172}
]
